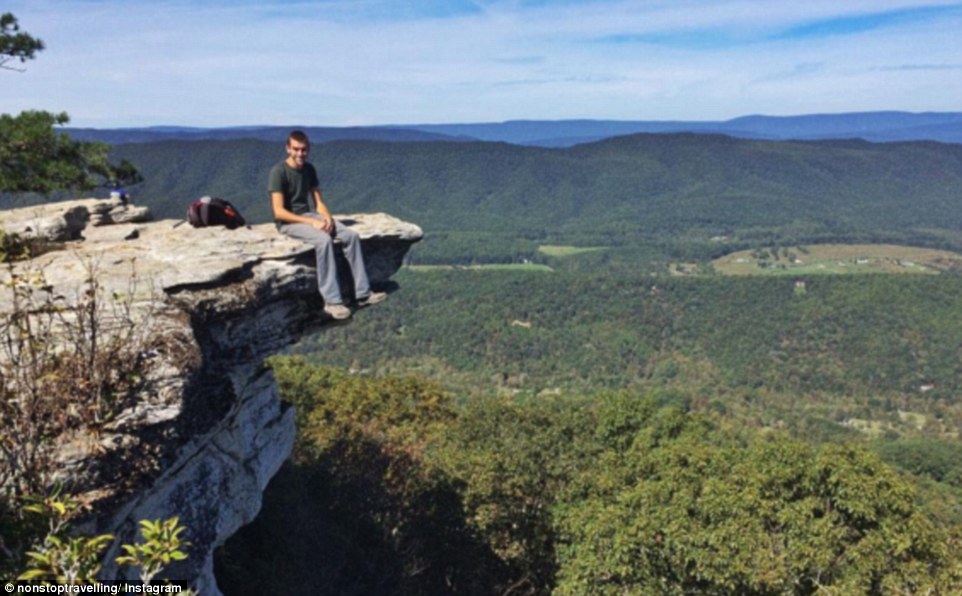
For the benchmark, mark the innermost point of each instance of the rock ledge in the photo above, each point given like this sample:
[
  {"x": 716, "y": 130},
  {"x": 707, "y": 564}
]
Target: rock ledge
[{"x": 211, "y": 425}]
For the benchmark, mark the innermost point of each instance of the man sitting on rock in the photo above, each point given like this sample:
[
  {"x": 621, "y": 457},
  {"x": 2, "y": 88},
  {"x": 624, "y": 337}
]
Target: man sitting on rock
[{"x": 293, "y": 186}]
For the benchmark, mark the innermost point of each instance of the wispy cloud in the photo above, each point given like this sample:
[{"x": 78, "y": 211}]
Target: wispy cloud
[
  {"x": 224, "y": 62},
  {"x": 922, "y": 67},
  {"x": 752, "y": 27},
  {"x": 803, "y": 69},
  {"x": 861, "y": 23}
]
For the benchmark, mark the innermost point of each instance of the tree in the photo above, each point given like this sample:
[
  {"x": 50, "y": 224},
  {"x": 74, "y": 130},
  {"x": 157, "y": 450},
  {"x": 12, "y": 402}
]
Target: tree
[
  {"x": 15, "y": 45},
  {"x": 703, "y": 514},
  {"x": 36, "y": 158}
]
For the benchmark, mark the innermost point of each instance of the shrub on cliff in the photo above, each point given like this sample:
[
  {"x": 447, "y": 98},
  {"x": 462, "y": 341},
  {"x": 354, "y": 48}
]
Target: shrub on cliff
[
  {"x": 64, "y": 367},
  {"x": 60, "y": 557},
  {"x": 67, "y": 369}
]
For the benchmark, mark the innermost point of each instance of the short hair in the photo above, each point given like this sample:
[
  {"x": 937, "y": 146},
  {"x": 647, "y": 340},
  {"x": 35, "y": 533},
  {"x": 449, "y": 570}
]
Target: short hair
[{"x": 297, "y": 135}]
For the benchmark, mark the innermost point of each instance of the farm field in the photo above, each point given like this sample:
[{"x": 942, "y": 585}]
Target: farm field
[
  {"x": 490, "y": 266},
  {"x": 556, "y": 250},
  {"x": 838, "y": 259}
]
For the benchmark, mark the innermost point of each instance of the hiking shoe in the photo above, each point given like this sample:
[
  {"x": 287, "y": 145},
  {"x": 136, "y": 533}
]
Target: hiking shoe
[
  {"x": 372, "y": 298},
  {"x": 337, "y": 311}
]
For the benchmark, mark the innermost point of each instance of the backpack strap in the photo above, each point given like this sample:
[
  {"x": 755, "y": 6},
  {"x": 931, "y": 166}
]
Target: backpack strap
[
  {"x": 204, "y": 210},
  {"x": 198, "y": 213}
]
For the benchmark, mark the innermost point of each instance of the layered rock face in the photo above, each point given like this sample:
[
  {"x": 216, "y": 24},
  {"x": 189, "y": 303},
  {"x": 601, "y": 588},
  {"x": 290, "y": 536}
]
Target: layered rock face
[{"x": 208, "y": 431}]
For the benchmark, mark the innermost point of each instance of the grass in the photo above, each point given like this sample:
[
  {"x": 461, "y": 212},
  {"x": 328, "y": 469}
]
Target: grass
[
  {"x": 876, "y": 429},
  {"x": 556, "y": 250},
  {"x": 491, "y": 267},
  {"x": 838, "y": 259}
]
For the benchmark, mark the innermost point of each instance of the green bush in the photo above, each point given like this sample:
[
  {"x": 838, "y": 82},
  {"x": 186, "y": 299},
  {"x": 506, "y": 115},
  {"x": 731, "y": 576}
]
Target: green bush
[
  {"x": 358, "y": 510},
  {"x": 939, "y": 459},
  {"x": 701, "y": 514},
  {"x": 395, "y": 489}
]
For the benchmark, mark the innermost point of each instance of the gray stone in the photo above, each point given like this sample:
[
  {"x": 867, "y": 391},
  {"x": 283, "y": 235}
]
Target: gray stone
[
  {"x": 66, "y": 220},
  {"x": 225, "y": 299}
]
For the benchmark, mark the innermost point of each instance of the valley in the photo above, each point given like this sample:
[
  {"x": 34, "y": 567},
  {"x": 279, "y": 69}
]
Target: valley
[
  {"x": 588, "y": 327},
  {"x": 838, "y": 259}
]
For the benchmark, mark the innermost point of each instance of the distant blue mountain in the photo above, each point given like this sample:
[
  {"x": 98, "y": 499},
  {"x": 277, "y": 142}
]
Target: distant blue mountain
[
  {"x": 317, "y": 134},
  {"x": 944, "y": 127},
  {"x": 870, "y": 126}
]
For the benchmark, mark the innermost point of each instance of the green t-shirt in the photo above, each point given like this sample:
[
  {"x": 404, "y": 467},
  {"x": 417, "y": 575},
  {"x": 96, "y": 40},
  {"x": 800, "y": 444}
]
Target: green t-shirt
[{"x": 295, "y": 185}]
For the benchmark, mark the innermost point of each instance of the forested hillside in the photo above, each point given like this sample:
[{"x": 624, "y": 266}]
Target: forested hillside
[
  {"x": 864, "y": 342},
  {"x": 492, "y": 201},
  {"x": 600, "y": 407},
  {"x": 395, "y": 489},
  {"x": 619, "y": 432}
]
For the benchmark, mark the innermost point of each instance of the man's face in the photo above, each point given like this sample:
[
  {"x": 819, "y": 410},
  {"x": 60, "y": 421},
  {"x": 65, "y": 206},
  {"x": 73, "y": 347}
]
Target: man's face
[{"x": 297, "y": 152}]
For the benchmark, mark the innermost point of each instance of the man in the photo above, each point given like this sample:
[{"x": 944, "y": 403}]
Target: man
[{"x": 293, "y": 187}]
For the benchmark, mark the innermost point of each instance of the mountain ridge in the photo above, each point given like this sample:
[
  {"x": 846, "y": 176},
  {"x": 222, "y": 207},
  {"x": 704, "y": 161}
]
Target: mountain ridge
[
  {"x": 496, "y": 202},
  {"x": 882, "y": 126},
  {"x": 615, "y": 192}
]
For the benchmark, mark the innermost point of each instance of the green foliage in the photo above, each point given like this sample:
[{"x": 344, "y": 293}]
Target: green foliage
[
  {"x": 332, "y": 406},
  {"x": 161, "y": 546},
  {"x": 67, "y": 560},
  {"x": 34, "y": 157},
  {"x": 702, "y": 513},
  {"x": 612, "y": 493},
  {"x": 510, "y": 461},
  {"x": 14, "y": 44},
  {"x": 868, "y": 335},
  {"x": 493, "y": 202},
  {"x": 63, "y": 558},
  {"x": 939, "y": 459},
  {"x": 358, "y": 510}
]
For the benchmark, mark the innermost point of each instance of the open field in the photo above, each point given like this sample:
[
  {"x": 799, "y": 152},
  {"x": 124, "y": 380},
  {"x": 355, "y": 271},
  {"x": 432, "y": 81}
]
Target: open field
[
  {"x": 491, "y": 267},
  {"x": 555, "y": 250},
  {"x": 838, "y": 259}
]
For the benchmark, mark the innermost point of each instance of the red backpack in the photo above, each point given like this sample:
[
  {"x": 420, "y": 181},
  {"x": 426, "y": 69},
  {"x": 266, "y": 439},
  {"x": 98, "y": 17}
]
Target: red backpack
[{"x": 211, "y": 211}]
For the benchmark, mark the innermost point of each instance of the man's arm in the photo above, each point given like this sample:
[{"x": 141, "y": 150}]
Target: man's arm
[
  {"x": 322, "y": 209},
  {"x": 283, "y": 214}
]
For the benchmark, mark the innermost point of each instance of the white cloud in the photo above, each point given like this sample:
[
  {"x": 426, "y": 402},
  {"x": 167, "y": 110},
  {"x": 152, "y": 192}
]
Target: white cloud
[{"x": 338, "y": 62}]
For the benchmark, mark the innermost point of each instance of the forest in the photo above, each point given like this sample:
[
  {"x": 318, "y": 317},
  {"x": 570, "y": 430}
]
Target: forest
[
  {"x": 613, "y": 414},
  {"x": 395, "y": 488},
  {"x": 597, "y": 427},
  {"x": 569, "y": 392},
  {"x": 495, "y": 202}
]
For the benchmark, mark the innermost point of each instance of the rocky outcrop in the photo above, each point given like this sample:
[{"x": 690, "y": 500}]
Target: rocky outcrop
[
  {"x": 68, "y": 219},
  {"x": 209, "y": 431}
]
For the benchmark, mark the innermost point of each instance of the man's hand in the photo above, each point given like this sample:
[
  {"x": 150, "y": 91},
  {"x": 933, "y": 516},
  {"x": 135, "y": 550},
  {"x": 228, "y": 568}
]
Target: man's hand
[{"x": 324, "y": 225}]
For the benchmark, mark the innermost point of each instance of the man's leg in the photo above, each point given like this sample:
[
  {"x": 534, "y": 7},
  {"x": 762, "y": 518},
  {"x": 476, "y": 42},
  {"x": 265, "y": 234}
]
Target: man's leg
[
  {"x": 351, "y": 245},
  {"x": 326, "y": 265}
]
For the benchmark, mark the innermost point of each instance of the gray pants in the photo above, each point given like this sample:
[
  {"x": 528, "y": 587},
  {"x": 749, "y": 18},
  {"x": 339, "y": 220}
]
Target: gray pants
[{"x": 326, "y": 265}]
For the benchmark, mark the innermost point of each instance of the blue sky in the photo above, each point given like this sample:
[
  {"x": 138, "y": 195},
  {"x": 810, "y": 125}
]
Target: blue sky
[{"x": 115, "y": 63}]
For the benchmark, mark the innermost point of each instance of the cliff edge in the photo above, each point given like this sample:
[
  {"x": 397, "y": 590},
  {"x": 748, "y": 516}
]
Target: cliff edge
[{"x": 206, "y": 431}]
